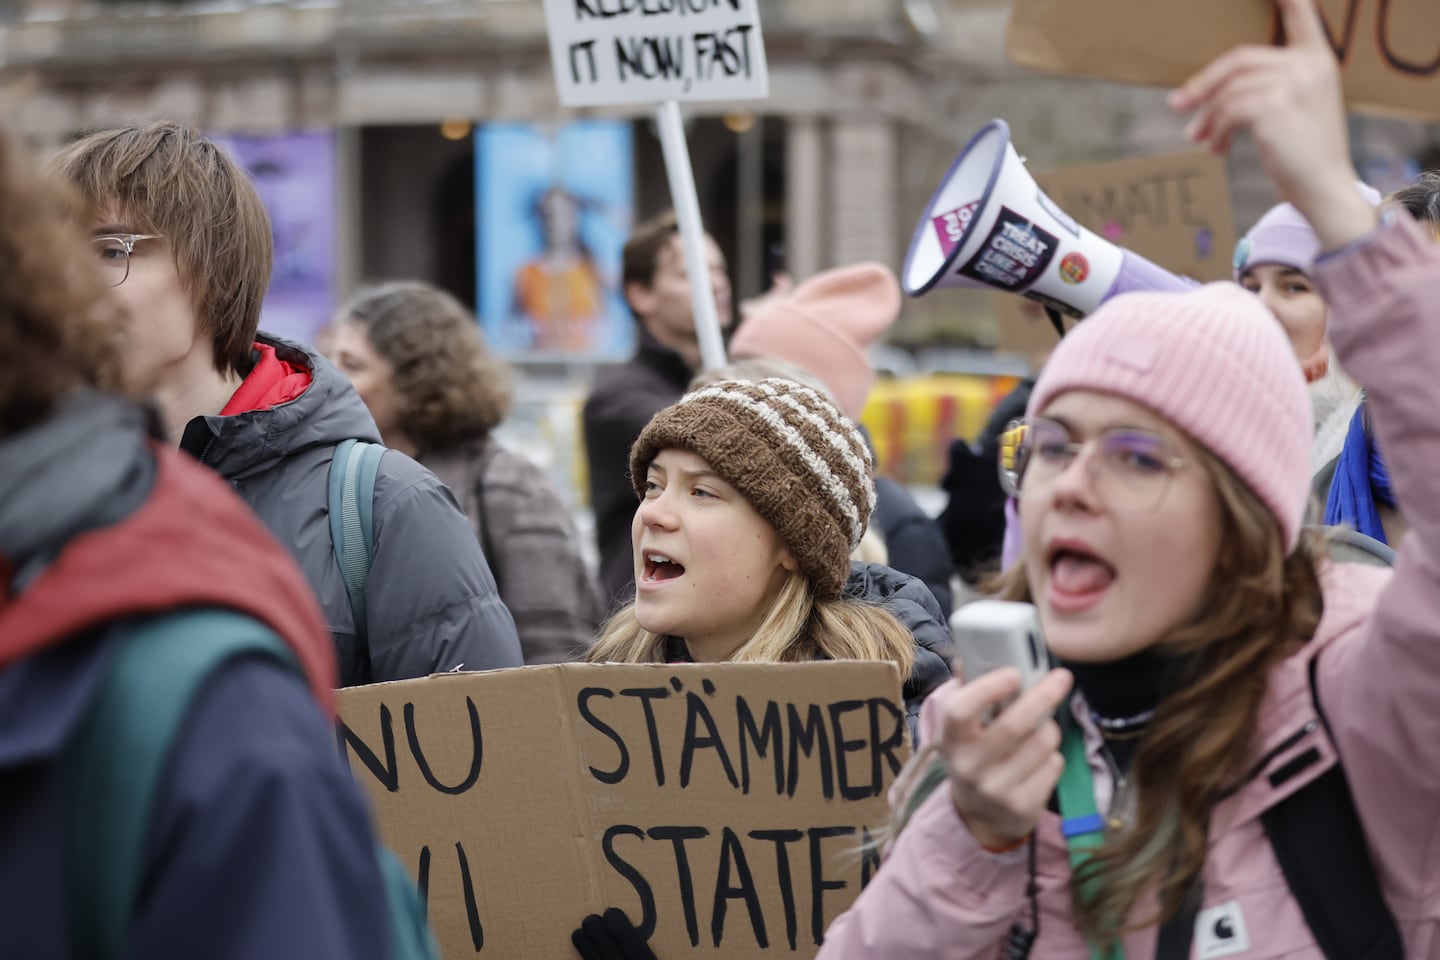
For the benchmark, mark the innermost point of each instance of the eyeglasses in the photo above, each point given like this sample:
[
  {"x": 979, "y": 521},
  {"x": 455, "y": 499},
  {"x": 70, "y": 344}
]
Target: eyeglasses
[
  {"x": 1131, "y": 468},
  {"x": 114, "y": 253}
]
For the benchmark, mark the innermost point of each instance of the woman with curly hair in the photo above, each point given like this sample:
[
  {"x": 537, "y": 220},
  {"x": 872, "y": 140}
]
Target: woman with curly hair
[
  {"x": 1242, "y": 756},
  {"x": 416, "y": 357}
]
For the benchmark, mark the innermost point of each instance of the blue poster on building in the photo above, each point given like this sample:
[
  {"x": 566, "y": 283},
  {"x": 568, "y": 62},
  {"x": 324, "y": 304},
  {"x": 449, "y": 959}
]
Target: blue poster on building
[
  {"x": 295, "y": 177},
  {"x": 553, "y": 210}
]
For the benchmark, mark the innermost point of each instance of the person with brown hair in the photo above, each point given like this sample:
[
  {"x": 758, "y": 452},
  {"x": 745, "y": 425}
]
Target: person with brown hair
[
  {"x": 417, "y": 359},
  {"x": 625, "y": 396},
  {"x": 251, "y": 839},
  {"x": 1422, "y": 200},
  {"x": 1250, "y": 762},
  {"x": 182, "y": 238}
]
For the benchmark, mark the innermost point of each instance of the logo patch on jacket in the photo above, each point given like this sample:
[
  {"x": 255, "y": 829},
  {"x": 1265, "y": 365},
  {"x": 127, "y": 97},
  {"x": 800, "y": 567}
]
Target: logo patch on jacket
[{"x": 1220, "y": 932}]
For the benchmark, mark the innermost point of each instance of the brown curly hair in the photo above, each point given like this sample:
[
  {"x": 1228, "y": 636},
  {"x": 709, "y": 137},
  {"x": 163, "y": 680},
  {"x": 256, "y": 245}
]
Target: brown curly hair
[
  {"x": 58, "y": 325},
  {"x": 449, "y": 388}
]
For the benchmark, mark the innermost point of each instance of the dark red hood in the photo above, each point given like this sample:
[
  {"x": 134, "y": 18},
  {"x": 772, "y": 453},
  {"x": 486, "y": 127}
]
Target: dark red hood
[{"x": 193, "y": 542}]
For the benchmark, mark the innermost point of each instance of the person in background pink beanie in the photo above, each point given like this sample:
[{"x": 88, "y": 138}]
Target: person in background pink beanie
[
  {"x": 1239, "y": 753},
  {"x": 826, "y": 326}
]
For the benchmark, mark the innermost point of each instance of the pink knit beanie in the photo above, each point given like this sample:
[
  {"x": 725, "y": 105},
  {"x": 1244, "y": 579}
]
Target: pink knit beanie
[
  {"x": 1216, "y": 365},
  {"x": 826, "y": 326}
]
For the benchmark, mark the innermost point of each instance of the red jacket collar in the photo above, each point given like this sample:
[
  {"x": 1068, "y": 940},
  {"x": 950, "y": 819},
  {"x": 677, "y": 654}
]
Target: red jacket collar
[
  {"x": 191, "y": 543},
  {"x": 272, "y": 382}
]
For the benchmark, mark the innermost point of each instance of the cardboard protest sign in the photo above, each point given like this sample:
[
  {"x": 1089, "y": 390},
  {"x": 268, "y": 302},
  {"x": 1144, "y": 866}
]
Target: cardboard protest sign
[
  {"x": 722, "y": 806},
  {"x": 1389, "y": 50},
  {"x": 1172, "y": 209},
  {"x": 645, "y": 51}
]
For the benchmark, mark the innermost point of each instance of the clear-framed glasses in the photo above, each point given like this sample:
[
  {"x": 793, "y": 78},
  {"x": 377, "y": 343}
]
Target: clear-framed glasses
[
  {"x": 1131, "y": 467},
  {"x": 114, "y": 254}
]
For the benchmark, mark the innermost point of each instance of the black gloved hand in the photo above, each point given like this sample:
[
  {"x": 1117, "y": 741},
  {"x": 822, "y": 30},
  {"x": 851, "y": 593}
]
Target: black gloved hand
[{"x": 611, "y": 937}]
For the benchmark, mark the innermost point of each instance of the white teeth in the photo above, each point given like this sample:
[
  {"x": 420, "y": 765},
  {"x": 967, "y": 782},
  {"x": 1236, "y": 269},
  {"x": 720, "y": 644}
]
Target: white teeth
[{"x": 656, "y": 558}]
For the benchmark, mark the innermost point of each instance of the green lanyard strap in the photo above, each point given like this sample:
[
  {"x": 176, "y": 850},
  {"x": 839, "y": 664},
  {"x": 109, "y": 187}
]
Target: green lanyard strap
[{"x": 1080, "y": 821}]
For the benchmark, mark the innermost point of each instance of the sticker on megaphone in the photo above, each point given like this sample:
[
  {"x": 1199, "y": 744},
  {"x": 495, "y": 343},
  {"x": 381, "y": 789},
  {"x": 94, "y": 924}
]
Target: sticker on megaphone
[
  {"x": 950, "y": 226},
  {"x": 1014, "y": 255}
]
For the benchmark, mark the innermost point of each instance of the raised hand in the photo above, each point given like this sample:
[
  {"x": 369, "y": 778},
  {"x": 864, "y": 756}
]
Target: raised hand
[{"x": 1289, "y": 98}]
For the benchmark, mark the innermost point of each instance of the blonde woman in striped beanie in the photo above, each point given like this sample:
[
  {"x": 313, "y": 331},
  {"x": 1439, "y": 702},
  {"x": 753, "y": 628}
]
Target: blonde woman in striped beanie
[{"x": 752, "y": 496}]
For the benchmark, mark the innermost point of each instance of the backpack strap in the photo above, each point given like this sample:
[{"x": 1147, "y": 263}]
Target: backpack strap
[
  {"x": 115, "y": 760},
  {"x": 410, "y": 935},
  {"x": 1334, "y": 880},
  {"x": 352, "y": 533},
  {"x": 1320, "y": 844}
]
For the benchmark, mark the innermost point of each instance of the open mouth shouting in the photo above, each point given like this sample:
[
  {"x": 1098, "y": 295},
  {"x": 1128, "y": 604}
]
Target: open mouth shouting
[
  {"x": 658, "y": 568},
  {"x": 1079, "y": 576}
]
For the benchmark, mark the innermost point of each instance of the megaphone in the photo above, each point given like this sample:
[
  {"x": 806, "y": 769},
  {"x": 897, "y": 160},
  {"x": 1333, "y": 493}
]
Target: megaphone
[{"x": 990, "y": 225}]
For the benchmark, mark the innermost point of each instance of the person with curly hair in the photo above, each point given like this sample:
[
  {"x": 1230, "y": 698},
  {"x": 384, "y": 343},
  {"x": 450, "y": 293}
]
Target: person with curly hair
[
  {"x": 255, "y": 842},
  {"x": 417, "y": 359},
  {"x": 180, "y": 234}
]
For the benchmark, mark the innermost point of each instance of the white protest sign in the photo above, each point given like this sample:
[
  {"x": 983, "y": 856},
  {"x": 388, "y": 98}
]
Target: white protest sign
[{"x": 646, "y": 51}]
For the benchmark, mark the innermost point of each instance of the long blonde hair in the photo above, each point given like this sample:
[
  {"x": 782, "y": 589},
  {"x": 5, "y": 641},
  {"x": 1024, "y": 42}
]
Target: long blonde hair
[
  {"x": 1261, "y": 605},
  {"x": 797, "y": 628}
]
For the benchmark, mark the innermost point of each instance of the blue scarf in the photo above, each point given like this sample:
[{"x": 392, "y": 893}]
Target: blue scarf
[{"x": 1361, "y": 479}]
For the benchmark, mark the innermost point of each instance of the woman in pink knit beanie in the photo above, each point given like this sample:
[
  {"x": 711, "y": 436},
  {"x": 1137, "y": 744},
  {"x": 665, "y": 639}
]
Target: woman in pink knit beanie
[{"x": 1241, "y": 753}]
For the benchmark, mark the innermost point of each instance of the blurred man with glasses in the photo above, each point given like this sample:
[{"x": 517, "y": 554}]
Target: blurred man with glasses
[{"x": 181, "y": 236}]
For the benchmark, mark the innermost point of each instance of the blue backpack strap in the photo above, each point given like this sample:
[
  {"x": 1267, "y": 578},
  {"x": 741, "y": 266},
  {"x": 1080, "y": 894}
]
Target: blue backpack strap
[
  {"x": 352, "y": 531},
  {"x": 115, "y": 760}
]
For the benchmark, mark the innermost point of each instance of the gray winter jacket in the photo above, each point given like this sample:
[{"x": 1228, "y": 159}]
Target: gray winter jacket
[
  {"x": 532, "y": 545},
  {"x": 431, "y": 601}
]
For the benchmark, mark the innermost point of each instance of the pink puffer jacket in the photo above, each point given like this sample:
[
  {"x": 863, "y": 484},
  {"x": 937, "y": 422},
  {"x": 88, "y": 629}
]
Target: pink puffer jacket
[{"x": 1378, "y": 676}]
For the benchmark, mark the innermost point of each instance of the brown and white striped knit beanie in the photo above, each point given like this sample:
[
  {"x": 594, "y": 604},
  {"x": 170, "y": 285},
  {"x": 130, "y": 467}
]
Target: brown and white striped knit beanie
[{"x": 800, "y": 462}]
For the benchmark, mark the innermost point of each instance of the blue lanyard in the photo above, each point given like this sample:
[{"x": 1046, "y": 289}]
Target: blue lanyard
[{"x": 1080, "y": 821}]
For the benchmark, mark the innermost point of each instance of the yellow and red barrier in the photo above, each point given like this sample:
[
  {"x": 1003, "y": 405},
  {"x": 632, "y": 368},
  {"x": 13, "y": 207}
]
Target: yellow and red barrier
[{"x": 912, "y": 420}]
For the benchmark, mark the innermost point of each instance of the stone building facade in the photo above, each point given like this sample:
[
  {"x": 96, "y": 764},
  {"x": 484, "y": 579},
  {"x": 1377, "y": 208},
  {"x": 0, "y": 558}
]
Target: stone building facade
[{"x": 870, "y": 99}]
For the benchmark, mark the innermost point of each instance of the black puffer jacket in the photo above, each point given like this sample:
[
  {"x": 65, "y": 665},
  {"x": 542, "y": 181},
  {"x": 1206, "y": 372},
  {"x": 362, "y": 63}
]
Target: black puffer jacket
[
  {"x": 912, "y": 603},
  {"x": 913, "y": 541}
]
